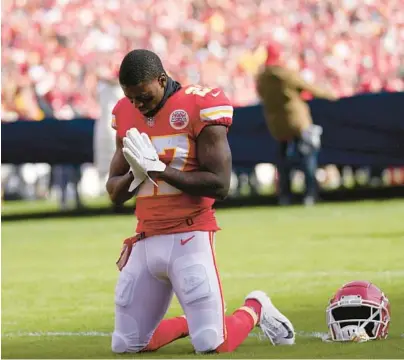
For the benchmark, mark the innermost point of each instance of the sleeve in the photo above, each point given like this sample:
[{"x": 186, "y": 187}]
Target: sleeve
[
  {"x": 114, "y": 124},
  {"x": 298, "y": 82},
  {"x": 214, "y": 108}
]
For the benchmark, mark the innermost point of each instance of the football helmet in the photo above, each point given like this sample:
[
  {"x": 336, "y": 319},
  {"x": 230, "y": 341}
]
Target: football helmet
[{"x": 359, "y": 311}]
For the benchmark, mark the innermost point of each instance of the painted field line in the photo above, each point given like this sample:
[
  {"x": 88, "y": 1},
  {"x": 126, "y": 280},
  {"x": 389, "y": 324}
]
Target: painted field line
[
  {"x": 55, "y": 334},
  {"x": 258, "y": 335},
  {"x": 302, "y": 334},
  {"x": 309, "y": 274},
  {"x": 276, "y": 275}
]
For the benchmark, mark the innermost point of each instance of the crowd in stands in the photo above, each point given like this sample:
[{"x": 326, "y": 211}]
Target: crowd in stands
[{"x": 54, "y": 52}]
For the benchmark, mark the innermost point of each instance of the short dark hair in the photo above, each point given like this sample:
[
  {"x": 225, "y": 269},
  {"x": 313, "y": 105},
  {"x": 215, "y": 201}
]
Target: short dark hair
[{"x": 139, "y": 66}]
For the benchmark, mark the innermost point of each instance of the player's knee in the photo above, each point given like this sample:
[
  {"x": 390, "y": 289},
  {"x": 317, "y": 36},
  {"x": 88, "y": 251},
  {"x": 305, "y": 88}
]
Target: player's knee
[
  {"x": 126, "y": 338},
  {"x": 126, "y": 343},
  {"x": 118, "y": 344},
  {"x": 206, "y": 340}
]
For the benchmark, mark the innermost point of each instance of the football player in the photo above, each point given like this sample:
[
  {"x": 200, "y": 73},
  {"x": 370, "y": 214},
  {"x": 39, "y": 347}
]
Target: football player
[{"x": 172, "y": 153}]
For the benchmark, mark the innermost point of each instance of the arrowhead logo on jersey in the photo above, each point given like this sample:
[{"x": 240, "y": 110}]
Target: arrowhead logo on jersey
[{"x": 179, "y": 119}]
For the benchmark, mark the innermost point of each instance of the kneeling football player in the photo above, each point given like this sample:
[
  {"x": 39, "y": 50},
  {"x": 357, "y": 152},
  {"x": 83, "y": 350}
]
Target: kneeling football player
[{"x": 172, "y": 153}]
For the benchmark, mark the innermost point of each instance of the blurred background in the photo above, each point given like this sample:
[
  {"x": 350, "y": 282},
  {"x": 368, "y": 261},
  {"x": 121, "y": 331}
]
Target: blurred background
[{"x": 60, "y": 60}]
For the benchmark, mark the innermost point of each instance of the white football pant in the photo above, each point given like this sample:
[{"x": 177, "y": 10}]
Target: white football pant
[{"x": 159, "y": 266}]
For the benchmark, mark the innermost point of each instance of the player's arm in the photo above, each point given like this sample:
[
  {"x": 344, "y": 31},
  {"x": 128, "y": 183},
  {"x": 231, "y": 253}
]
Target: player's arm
[
  {"x": 214, "y": 157},
  {"x": 119, "y": 176},
  {"x": 295, "y": 80}
]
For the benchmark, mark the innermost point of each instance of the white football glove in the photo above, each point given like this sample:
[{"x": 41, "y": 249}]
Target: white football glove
[
  {"x": 138, "y": 175},
  {"x": 138, "y": 178},
  {"x": 141, "y": 154}
]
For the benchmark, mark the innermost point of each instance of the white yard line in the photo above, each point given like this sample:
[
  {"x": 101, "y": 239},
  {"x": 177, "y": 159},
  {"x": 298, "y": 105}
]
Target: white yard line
[
  {"x": 374, "y": 274},
  {"x": 310, "y": 274},
  {"x": 303, "y": 334},
  {"x": 55, "y": 334},
  {"x": 258, "y": 335}
]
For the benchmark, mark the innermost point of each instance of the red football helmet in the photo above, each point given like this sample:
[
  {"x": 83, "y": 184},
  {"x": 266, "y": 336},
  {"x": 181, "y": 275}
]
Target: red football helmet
[{"x": 358, "y": 306}]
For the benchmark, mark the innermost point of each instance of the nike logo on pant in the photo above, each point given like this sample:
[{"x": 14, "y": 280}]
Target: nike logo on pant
[{"x": 184, "y": 241}]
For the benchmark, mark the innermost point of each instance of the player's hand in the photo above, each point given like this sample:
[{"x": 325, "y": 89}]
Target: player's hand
[
  {"x": 141, "y": 154},
  {"x": 138, "y": 174},
  {"x": 138, "y": 177}
]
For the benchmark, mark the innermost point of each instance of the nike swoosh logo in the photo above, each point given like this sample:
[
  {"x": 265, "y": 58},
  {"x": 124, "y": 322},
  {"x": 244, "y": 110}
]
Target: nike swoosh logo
[
  {"x": 216, "y": 93},
  {"x": 184, "y": 241},
  {"x": 290, "y": 332},
  {"x": 150, "y": 159}
]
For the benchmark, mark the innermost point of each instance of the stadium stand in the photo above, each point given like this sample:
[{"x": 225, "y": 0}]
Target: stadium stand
[{"x": 52, "y": 49}]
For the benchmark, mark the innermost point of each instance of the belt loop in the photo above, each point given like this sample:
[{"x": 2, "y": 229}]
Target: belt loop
[{"x": 189, "y": 222}]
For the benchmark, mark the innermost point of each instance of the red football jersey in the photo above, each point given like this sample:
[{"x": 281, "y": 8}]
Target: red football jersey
[{"x": 173, "y": 131}]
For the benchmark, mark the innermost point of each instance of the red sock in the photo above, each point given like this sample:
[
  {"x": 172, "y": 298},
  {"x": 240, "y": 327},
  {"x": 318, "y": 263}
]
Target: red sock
[
  {"x": 168, "y": 331},
  {"x": 255, "y": 305},
  {"x": 238, "y": 326}
]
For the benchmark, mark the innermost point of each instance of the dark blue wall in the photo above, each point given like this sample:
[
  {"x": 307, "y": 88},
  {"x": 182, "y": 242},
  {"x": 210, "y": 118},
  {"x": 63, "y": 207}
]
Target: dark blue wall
[{"x": 362, "y": 130}]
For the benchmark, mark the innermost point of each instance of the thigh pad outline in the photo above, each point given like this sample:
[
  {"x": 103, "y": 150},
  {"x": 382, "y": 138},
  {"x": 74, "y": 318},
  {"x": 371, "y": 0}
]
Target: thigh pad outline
[
  {"x": 193, "y": 281},
  {"x": 124, "y": 290}
]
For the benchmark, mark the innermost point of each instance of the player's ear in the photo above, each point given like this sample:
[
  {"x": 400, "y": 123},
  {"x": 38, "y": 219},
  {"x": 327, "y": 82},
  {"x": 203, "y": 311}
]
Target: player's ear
[{"x": 163, "y": 80}]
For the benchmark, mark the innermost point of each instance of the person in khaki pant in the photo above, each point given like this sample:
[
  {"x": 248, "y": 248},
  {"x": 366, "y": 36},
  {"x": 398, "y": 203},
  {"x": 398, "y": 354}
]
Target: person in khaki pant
[{"x": 289, "y": 121}]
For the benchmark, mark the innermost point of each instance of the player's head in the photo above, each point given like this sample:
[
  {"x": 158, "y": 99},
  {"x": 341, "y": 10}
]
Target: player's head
[{"x": 143, "y": 79}]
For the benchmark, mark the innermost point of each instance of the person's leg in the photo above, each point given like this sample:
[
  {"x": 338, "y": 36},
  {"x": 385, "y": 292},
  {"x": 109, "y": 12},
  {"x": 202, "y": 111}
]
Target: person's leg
[
  {"x": 284, "y": 173},
  {"x": 193, "y": 273},
  {"x": 309, "y": 165},
  {"x": 60, "y": 182},
  {"x": 76, "y": 177},
  {"x": 168, "y": 331},
  {"x": 253, "y": 181},
  {"x": 142, "y": 300}
]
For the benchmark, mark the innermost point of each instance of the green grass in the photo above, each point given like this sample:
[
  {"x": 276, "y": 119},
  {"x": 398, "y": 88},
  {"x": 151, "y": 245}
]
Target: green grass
[
  {"x": 19, "y": 207},
  {"x": 59, "y": 276}
]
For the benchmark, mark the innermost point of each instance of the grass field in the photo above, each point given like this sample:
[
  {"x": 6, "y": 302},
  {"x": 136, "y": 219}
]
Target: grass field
[
  {"x": 40, "y": 206},
  {"x": 58, "y": 278}
]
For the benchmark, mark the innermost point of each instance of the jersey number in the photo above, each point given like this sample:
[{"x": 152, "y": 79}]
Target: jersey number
[
  {"x": 198, "y": 90},
  {"x": 177, "y": 148}
]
